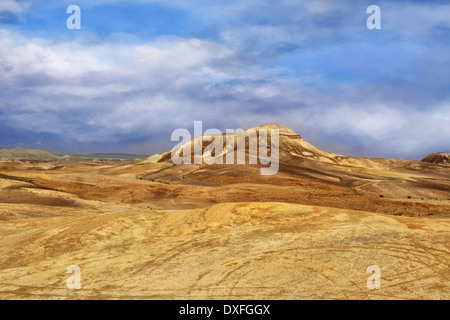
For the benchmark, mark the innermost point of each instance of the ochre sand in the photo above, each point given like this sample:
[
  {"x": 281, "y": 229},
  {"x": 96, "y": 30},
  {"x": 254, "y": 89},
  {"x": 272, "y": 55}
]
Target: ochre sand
[
  {"x": 153, "y": 230},
  {"x": 132, "y": 239}
]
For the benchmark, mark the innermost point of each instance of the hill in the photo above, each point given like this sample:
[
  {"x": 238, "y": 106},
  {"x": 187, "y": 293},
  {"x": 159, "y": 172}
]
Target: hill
[
  {"x": 23, "y": 154},
  {"x": 438, "y": 157},
  {"x": 143, "y": 229},
  {"x": 27, "y": 154},
  {"x": 124, "y": 156},
  {"x": 301, "y": 163}
]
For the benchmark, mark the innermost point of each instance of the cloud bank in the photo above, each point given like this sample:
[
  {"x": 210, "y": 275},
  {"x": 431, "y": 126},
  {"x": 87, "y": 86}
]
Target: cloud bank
[{"x": 314, "y": 67}]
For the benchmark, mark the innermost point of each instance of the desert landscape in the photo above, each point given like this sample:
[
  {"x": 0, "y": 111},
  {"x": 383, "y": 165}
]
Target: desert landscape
[{"x": 144, "y": 228}]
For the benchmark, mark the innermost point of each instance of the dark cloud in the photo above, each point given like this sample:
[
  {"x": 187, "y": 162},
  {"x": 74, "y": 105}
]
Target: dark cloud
[{"x": 312, "y": 66}]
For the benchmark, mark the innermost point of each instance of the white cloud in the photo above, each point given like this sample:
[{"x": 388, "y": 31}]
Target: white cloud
[
  {"x": 378, "y": 122},
  {"x": 116, "y": 88},
  {"x": 415, "y": 19},
  {"x": 103, "y": 91},
  {"x": 12, "y": 6}
]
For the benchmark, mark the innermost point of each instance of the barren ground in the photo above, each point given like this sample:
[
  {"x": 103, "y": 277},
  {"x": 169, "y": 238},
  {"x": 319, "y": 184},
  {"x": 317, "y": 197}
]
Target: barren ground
[{"x": 157, "y": 231}]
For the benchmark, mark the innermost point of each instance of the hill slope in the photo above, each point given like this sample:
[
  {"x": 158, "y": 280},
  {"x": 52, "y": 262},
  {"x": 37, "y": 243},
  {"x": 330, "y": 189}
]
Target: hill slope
[
  {"x": 155, "y": 230},
  {"x": 437, "y": 157},
  {"x": 302, "y": 163},
  {"x": 27, "y": 154}
]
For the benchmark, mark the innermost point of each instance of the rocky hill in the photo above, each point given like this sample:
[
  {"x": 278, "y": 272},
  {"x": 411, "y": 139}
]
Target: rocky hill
[{"x": 437, "y": 157}]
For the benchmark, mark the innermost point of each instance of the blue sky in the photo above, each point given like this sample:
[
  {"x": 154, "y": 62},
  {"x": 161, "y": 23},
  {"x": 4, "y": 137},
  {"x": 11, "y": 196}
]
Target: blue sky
[{"x": 137, "y": 70}]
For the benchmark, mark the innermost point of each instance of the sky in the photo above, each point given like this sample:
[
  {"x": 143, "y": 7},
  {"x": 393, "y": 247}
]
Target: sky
[{"x": 138, "y": 70}]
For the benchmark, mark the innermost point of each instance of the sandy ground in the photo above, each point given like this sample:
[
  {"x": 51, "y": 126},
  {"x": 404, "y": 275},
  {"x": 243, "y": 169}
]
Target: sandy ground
[
  {"x": 226, "y": 251},
  {"x": 154, "y": 231}
]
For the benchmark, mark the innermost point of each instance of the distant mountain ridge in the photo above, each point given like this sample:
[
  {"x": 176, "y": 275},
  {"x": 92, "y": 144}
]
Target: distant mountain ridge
[
  {"x": 126, "y": 156},
  {"x": 291, "y": 144},
  {"x": 27, "y": 154},
  {"x": 40, "y": 155}
]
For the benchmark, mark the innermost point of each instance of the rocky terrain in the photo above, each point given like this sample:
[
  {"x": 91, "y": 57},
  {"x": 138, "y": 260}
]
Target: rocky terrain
[{"x": 437, "y": 158}]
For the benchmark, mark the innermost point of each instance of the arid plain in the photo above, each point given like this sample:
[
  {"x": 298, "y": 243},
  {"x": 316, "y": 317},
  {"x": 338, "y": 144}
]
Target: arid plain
[{"x": 149, "y": 229}]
